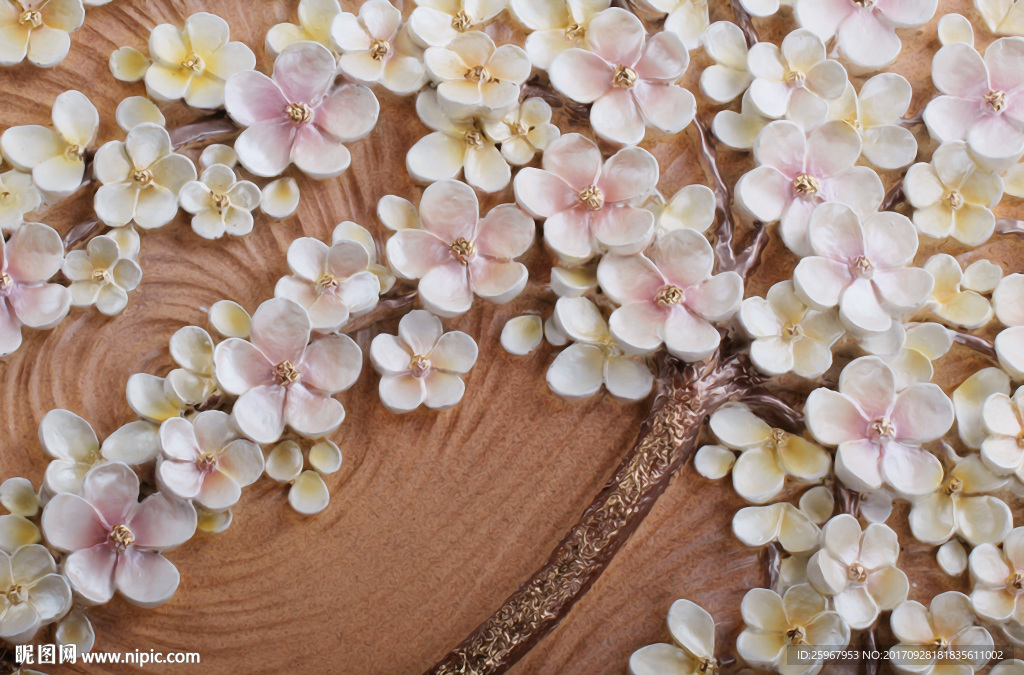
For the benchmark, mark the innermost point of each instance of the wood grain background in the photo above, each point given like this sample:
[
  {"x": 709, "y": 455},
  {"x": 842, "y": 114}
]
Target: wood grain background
[{"x": 434, "y": 518}]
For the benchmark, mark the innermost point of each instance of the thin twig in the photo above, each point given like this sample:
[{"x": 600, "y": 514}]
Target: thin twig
[
  {"x": 723, "y": 199},
  {"x": 745, "y": 23},
  {"x": 1009, "y": 226},
  {"x": 781, "y": 412},
  {"x": 214, "y": 127},
  {"x": 389, "y": 308},
  {"x": 81, "y": 232},
  {"x": 978, "y": 344},
  {"x": 894, "y": 197},
  {"x": 849, "y": 501},
  {"x": 750, "y": 257},
  {"x": 772, "y": 557}
]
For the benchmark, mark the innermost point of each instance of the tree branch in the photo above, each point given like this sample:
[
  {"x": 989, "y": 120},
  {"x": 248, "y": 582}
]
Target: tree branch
[
  {"x": 746, "y": 24},
  {"x": 978, "y": 344},
  {"x": 389, "y": 308},
  {"x": 723, "y": 199},
  {"x": 1009, "y": 226}
]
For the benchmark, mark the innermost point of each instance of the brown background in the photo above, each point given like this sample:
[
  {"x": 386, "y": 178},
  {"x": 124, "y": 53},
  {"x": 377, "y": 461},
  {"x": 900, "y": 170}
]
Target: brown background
[{"x": 434, "y": 518}]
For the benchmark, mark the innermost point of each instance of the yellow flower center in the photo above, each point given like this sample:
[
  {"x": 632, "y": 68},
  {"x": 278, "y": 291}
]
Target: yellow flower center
[
  {"x": 5, "y": 281},
  {"x": 883, "y": 428},
  {"x": 996, "y": 100},
  {"x": 478, "y": 74},
  {"x": 708, "y": 665},
  {"x": 74, "y": 153},
  {"x": 474, "y": 138},
  {"x": 100, "y": 276},
  {"x": 953, "y": 486},
  {"x": 17, "y": 594},
  {"x": 1020, "y": 440},
  {"x": 864, "y": 3},
  {"x": 31, "y": 18},
  {"x": 1015, "y": 582},
  {"x": 792, "y": 331},
  {"x": 592, "y": 197},
  {"x": 326, "y": 282},
  {"x": 143, "y": 177},
  {"x": 796, "y": 78},
  {"x": 299, "y": 112},
  {"x": 863, "y": 267},
  {"x": 797, "y": 635},
  {"x": 856, "y": 572},
  {"x": 669, "y": 295},
  {"x": 4, "y": 196},
  {"x": 419, "y": 365},
  {"x": 121, "y": 537},
  {"x": 955, "y": 200},
  {"x": 517, "y": 129},
  {"x": 286, "y": 373},
  {"x": 206, "y": 462},
  {"x": 194, "y": 63},
  {"x": 624, "y": 78},
  {"x": 574, "y": 31},
  {"x": 461, "y": 21},
  {"x": 219, "y": 201},
  {"x": 379, "y": 49},
  {"x": 463, "y": 250},
  {"x": 940, "y": 644},
  {"x": 779, "y": 438},
  {"x": 806, "y": 184}
]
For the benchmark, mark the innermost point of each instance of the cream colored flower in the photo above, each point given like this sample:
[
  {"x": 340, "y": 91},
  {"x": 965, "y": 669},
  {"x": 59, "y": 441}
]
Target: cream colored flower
[
  {"x": 374, "y": 49},
  {"x": 220, "y": 203},
  {"x": 436, "y": 23},
  {"x": 767, "y": 455},
  {"x": 280, "y": 197},
  {"x": 523, "y": 334},
  {"x": 909, "y": 352},
  {"x": 801, "y": 617},
  {"x": 1003, "y": 419},
  {"x": 858, "y": 570},
  {"x": 944, "y": 629},
  {"x": 474, "y": 75},
  {"x": 948, "y": 301},
  {"x": 19, "y": 497},
  {"x": 969, "y": 401},
  {"x": 961, "y": 508},
  {"x": 74, "y": 447},
  {"x": 315, "y": 20},
  {"x": 739, "y": 130},
  {"x": 18, "y": 196},
  {"x": 193, "y": 381},
  {"x": 101, "y": 275},
  {"x": 153, "y": 398},
  {"x": 307, "y": 492},
  {"x": 128, "y": 64},
  {"x": 1002, "y": 17},
  {"x": 998, "y": 576},
  {"x": 136, "y": 110},
  {"x": 17, "y": 531},
  {"x": 556, "y": 25},
  {"x": 693, "y": 632},
  {"x": 782, "y": 522},
  {"x": 692, "y": 207},
  {"x": 686, "y": 18},
  {"x": 877, "y": 115},
  {"x": 193, "y": 63},
  {"x": 354, "y": 232},
  {"x": 729, "y": 76},
  {"x": 524, "y": 131},
  {"x": 55, "y": 158},
  {"x": 38, "y": 29},
  {"x": 32, "y": 592}
]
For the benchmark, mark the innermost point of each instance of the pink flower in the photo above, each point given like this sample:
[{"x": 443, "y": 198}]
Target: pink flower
[
  {"x": 282, "y": 379},
  {"x": 457, "y": 254},
  {"x": 33, "y": 255},
  {"x": 589, "y": 207},
  {"x": 880, "y": 432},
  {"x": 866, "y": 29},
  {"x": 115, "y": 541},
  {"x": 670, "y": 297},
  {"x": 207, "y": 460},
  {"x": 982, "y": 102},
  {"x": 862, "y": 268},
  {"x": 629, "y": 79},
  {"x": 796, "y": 173},
  {"x": 296, "y": 117}
]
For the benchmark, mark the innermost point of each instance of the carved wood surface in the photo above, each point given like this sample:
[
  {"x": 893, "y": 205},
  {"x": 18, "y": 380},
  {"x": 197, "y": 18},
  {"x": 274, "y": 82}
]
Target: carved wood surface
[{"x": 435, "y": 519}]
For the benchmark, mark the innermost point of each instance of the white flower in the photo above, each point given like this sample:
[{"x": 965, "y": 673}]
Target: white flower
[
  {"x": 998, "y": 577},
  {"x": 18, "y": 196},
  {"x": 55, "y": 158},
  {"x": 280, "y": 197},
  {"x": 219, "y": 203},
  {"x": 953, "y": 196},
  {"x": 798, "y": 172},
  {"x": 17, "y": 531},
  {"x": 207, "y": 460},
  {"x": 141, "y": 178},
  {"x": 1002, "y": 17},
  {"x": 331, "y": 282},
  {"x": 801, "y": 617},
  {"x": 739, "y": 130},
  {"x": 556, "y": 25},
  {"x": 1008, "y": 303},
  {"x": 782, "y": 522},
  {"x": 474, "y": 75},
  {"x": 693, "y": 632},
  {"x": 19, "y": 497},
  {"x": 876, "y": 114},
  {"x": 28, "y": 261},
  {"x": 948, "y": 301},
  {"x": 969, "y": 401},
  {"x": 193, "y": 63},
  {"x": 880, "y": 432},
  {"x": 686, "y": 18},
  {"x": 1004, "y": 425},
  {"x": 980, "y": 100},
  {"x": 946, "y": 629},
  {"x": 454, "y": 146},
  {"x": 858, "y": 570},
  {"x": 193, "y": 381},
  {"x": 595, "y": 358},
  {"x": 422, "y": 364},
  {"x": 373, "y": 50},
  {"x": 32, "y": 592},
  {"x": 522, "y": 334},
  {"x": 524, "y": 131},
  {"x": 315, "y": 20},
  {"x": 959, "y": 508},
  {"x": 435, "y": 23},
  {"x": 797, "y": 74},
  {"x": 101, "y": 275},
  {"x": 729, "y": 77},
  {"x": 153, "y": 398},
  {"x": 630, "y": 80},
  {"x": 910, "y": 351},
  {"x": 38, "y": 29},
  {"x": 74, "y": 447},
  {"x": 866, "y": 32},
  {"x": 128, "y": 64},
  {"x": 353, "y": 232},
  {"x": 863, "y": 267},
  {"x": 670, "y": 296},
  {"x": 767, "y": 455},
  {"x": 692, "y": 207},
  {"x": 789, "y": 336}
]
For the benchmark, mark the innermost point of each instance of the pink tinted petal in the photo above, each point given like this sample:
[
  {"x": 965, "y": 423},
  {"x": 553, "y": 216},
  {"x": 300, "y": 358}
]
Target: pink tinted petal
[
  {"x": 859, "y": 306},
  {"x": 347, "y": 258},
  {"x": 575, "y": 159},
  {"x": 178, "y": 440},
  {"x": 497, "y": 281},
  {"x": 958, "y": 70},
  {"x": 219, "y": 491},
  {"x": 331, "y": 364},
  {"x": 146, "y": 577},
  {"x": 870, "y": 384},
  {"x": 638, "y": 326},
  {"x": 865, "y": 39},
  {"x": 922, "y": 413},
  {"x": 716, "y": 298},
  {"x": 664, "y": 58},
  {"x": 41, "y": 306},
  {"x": 617, "y": 36},
  {"x": 949, "y": 118},
  {"x": 413, "y": 253},
  {"x": 907, "y": 12},
  {"x": 836, "y": 233},
  {"x": 568, "y": 234},
  {"x": 911, "y": 470},
  {"x": 628, "y": 173},
  {"x": 71, "y": 523},
  {"x": 996, "y": 137},
  {"x": 822, "y": 281},
  {"x": 160, "y": 522},
  {"x": 831, "y": 149},
  {"x": 833, "y": 418},
  {"x": 265, "y": 149},
  {"x": 307, "y": 258},
  {"x": 304, "y": 72},
  {"x": 10, "y": 330},
  {"x": 1005, "y": 61},
  {"x": 445, "y": 290},
  {"x": 318, "y": 155},
  {"x": 616, "y": 117},
  {"x": 581, "y": 75},
  {"x": 240, "y": 366},
  {"x": 349, "y": 113},
  {"x": 252, "y": 97},
  {"x": 91, "y": 572},
  {"x": 688, "y": 336},
  {"x": 665, "y": 107},
  {"x": 623, "y": 229},
  {"x": 259, "y": 413},
  {"x": 311, "y": 414},
  {"x": 182, "y": 479},
  {"x": 449, "y": 210},
  {"x": 862, "y": 461},
  {"x": 505, "y": 232},
  {"x": 889, "y": 239},
  {"x": 630, "y": 279},
  {"x": 34, "y": 253},
  {"x": 782, "y": 146},
  {"x": 823, "y": 16},
  {"x": 903, "y": 289},
  {"x": 280, "y": 329},
  {"x": 113, "y": 490},
  {"x": 765, "y": 192},
  {"x": 542, "y": 193},
  {"x": 684, "y": 257}
]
